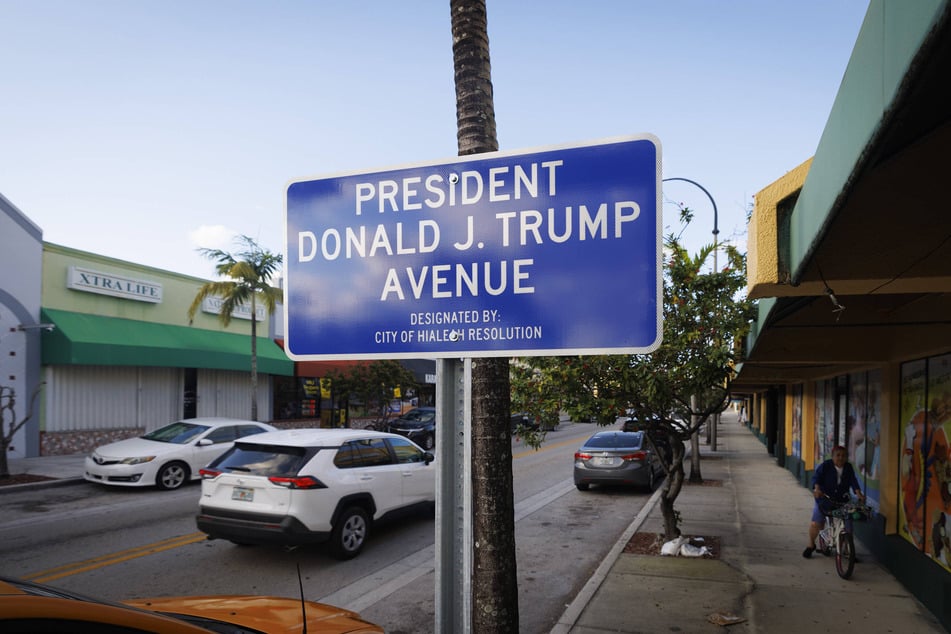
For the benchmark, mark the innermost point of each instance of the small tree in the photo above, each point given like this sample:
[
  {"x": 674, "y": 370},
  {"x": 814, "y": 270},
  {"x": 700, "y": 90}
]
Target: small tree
[
  {"x": 372, "y": 384},
  {"x": 673, "y": 391},
  {"x": 248, "y": 283},
  {"x": 9, "y": 425}
]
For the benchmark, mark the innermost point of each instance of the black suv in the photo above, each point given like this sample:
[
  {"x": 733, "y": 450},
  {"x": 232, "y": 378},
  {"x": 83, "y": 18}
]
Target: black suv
[
  {"x": 418, "y": 424},
  {"x": 657, "y": 434}
]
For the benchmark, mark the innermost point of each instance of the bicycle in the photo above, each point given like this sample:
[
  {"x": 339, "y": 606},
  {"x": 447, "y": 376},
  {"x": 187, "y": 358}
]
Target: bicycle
[{"x": 835, "y": 538}]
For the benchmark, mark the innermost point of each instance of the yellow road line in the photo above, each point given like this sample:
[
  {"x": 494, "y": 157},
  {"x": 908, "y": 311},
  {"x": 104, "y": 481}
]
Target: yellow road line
[
  {"x": 546, "y": 446},
  {"x": 102, "y": 561}
]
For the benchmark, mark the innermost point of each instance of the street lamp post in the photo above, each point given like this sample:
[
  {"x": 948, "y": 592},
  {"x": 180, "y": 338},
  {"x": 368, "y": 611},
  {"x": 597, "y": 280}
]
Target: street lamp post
[
  {"x": 716, "y": 230},
  {"x": 711, "y": 429}
]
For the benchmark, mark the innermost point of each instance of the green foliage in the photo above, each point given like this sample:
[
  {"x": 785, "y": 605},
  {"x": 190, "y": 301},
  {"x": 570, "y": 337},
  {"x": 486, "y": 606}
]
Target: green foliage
[
  {"x": 247, "y": 274},
  {"x": 705, "y": 321},
  {"x": 371, "y": 384}
]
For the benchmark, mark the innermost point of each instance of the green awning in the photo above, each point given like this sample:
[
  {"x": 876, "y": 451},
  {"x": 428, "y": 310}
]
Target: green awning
[{"x": 82, "y": 339}]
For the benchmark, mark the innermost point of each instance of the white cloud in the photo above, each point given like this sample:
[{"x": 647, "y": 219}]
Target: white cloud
[{"x": 213, "y": 237}]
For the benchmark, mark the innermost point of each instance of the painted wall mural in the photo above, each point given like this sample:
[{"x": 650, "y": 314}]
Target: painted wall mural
[{"x": 925, "y": 492}]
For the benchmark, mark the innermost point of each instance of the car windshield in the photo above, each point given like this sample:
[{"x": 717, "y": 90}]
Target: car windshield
[
  {"x": 176, "y": 433},
  {"x": 419, "y": 415},
  {"x": 613, "y": 440}
]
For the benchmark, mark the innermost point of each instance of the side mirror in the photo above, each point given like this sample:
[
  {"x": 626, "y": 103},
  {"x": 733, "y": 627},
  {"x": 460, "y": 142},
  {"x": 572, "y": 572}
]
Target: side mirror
[
  {"x": 428, "y": 457},
  {"x": 205, "y": 442}
]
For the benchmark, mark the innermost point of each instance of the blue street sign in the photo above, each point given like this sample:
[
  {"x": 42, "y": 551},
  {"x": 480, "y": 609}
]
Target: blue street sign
[{"x": 551, "y": 251}]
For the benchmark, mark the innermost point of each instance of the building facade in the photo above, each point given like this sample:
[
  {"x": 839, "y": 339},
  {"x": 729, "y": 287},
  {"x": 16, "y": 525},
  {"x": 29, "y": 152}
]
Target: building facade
[
  {"x": 96, "y": 349},
  {"x": 123, "y": 359},
  {"x": 849, "y": 257}
]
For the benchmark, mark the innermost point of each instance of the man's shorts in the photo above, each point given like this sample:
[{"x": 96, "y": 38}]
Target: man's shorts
[{"x": 817, "y": 515}]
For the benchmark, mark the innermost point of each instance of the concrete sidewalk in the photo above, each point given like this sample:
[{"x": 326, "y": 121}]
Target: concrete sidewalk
[
  {"x": 760, "y": 514},
  {"x": 59, "y": 471}
]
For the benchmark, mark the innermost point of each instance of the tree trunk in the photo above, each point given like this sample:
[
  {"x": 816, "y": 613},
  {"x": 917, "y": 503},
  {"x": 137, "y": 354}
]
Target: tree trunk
[
  {"x": 694, "y": 443},
  {"x": 494, "y": 582},
  {"x": 9, "y": 425},
  {"x": 254, "y": 360},
  {"x": 672, "y": 486},
  {"x": 713, "y": 435}
]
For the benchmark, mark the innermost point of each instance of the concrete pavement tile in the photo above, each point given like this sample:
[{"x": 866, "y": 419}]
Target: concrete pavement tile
[
  {"x": 768, "y": 536},
  {"x": 633, "y": 603},
  {"x": 855, "y": 610},
  {"x": 696, "y": 568}
]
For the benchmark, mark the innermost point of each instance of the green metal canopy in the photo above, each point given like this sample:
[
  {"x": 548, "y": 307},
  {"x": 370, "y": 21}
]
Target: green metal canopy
[{"x": 83, "y": 339}]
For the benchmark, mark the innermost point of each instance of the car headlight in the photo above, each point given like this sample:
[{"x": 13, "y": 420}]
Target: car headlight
[{"x": 138, "y": 460}]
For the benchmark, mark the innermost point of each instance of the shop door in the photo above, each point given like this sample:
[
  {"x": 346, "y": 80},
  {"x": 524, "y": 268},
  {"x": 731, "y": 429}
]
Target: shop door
[{"x": 190, "y": 397}]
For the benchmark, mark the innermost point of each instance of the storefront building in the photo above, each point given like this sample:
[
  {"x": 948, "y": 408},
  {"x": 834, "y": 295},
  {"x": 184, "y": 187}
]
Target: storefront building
[
  {"x": 849, "y": 257},
  {"x": 123, "y": 359},
  {"x": 309, "y": 397},
  {"x": 103, "y": 350}
]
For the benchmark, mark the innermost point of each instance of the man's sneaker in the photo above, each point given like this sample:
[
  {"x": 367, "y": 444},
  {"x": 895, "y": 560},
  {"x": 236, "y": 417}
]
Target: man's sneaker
[{"x": 807, "y": 553}]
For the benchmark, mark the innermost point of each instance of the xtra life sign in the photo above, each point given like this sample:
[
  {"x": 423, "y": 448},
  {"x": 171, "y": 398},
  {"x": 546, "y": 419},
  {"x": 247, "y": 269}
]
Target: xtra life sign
[{"x": 544, "y": 252}]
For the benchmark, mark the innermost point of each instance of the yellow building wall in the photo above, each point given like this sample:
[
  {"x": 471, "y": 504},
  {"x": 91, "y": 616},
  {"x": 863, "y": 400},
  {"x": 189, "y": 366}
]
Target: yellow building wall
[
  {"x": 808, "y": 425},
  {"x": 787, "y": 417},
  {"x": 763, "y": 274},
  {"x": 889, "y": 447}
]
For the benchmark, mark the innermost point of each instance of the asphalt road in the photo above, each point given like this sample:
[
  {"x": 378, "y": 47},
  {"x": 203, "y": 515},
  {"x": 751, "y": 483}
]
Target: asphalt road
[{"x": 124, "y": 543}]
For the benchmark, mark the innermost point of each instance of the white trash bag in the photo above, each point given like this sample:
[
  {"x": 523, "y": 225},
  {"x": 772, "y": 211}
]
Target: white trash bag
[
  {"x": 689, "y": 550},
  {"x": 682, "y": 546},
  {"x": 672, "y": 548}
]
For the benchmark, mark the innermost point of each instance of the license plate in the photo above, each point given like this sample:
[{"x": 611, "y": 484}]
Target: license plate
[
  {"x": 604, "y": 462},
  {"x": 242, "y": 494}
]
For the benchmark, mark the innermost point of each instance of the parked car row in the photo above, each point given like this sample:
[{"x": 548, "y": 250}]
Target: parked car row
[
  {"x": 261, "y": 485},
  {"x": 419, "y": 425}
]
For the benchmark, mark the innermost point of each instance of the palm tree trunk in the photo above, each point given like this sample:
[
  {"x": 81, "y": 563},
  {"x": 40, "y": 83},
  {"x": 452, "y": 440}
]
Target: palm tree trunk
[
  {"x": 254, "y": 360},
  {"x": 494, "y": 582}
]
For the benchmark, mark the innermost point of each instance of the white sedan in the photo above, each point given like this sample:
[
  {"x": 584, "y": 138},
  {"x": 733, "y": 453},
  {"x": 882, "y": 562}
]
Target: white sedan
[{"x": 169, "y": 456}]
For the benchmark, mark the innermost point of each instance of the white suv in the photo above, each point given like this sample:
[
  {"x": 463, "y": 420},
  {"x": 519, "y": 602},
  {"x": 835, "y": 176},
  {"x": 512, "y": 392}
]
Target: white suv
[{"x": 300, "y": 486}]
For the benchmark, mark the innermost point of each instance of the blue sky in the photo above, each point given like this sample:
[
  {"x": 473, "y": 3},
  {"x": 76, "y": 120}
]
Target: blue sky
[{"x": 142, "y": 130}]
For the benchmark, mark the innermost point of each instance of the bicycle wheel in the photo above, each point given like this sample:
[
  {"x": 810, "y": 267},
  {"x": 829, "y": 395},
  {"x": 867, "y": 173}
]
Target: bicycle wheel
[{"x": 845, "y": 555}]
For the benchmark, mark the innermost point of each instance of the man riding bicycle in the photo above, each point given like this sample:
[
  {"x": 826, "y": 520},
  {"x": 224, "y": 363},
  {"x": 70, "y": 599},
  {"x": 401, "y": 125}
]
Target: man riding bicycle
[{"x": 831, "y": 483}]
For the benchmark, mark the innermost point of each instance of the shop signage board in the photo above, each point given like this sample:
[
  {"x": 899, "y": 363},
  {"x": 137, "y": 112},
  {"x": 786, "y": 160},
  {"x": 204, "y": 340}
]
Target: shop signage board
[{"x": 549, "y": 251}]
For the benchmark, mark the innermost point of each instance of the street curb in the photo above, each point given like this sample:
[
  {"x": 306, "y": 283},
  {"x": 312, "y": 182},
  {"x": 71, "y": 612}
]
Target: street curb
[
  {"x": 573, "y": 612},
  {"x": 43, "y": 484}
]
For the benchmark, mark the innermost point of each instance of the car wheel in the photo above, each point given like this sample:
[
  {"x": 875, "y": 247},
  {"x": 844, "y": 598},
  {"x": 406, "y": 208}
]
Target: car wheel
[
  {"x": 350, "y": 533},
  {"x": 583, "y": 486},
  {"x": 172, "y": 476},
  {"x": 650, "y": 478},
  {"x": 429, "y": 442}
]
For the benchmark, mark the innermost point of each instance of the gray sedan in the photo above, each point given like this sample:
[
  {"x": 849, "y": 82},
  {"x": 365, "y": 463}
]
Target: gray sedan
[{"x": 616, "y": 457}]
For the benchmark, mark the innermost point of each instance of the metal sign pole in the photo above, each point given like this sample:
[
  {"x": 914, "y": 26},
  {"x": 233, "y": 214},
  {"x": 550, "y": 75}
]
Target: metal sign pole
[{"x": 453, "y": 496}]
